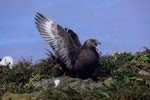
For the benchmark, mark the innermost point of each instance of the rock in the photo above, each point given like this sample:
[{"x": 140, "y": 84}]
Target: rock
[
  {"x": 67, "y": 82},
  {"x": 109, "y": 82},
  {"x": 44, "y": 84},
  {"x": 25, "y": 96},
  {"x": 142, "y": 72}
]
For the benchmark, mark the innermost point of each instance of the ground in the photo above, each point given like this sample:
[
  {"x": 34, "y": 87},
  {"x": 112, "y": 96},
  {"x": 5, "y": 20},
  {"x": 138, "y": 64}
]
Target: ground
[{"x": 122, "y": 76}]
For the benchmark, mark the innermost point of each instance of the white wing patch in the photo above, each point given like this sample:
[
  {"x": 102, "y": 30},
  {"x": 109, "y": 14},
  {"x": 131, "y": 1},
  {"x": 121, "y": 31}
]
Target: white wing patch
[{"x": 49, "y": 31}]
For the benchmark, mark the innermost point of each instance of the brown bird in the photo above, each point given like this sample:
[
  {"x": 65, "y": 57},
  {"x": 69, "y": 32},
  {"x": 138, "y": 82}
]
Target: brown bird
[{"x": 80, "y": 61}]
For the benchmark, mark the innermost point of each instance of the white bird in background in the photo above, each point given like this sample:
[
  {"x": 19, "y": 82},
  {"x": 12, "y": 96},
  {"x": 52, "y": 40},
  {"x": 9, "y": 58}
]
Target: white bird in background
[{"x": 7, "y": 61}]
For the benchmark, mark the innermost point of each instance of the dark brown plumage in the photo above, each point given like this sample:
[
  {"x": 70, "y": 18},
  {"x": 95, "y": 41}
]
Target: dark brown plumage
[
  {"x": 74, "y": 37},
  {"x": 79, "y": 60}
]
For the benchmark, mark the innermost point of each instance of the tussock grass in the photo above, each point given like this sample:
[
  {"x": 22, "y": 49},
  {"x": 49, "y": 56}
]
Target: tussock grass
[{"x": 124, "y": 68}]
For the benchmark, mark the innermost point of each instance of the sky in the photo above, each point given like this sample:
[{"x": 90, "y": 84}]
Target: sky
[{"x": 120, "y": 25}]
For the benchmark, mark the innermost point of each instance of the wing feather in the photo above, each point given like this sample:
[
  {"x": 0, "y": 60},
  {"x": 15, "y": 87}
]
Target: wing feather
[
  {"x": 74, "y": 37},
  {"x": 58, "y": 38}
]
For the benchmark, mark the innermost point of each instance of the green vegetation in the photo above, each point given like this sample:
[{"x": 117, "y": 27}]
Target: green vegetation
[{"x": 129, "y": 74}]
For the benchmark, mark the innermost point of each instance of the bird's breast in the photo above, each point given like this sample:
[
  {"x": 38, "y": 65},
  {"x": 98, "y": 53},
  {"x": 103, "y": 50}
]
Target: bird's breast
[{"x": 87, "y": 58}]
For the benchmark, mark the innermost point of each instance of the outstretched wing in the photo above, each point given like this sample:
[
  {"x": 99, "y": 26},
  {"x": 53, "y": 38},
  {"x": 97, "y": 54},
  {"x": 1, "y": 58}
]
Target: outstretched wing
[
  {"x": 60, "y": 41},
  {"x": 74, "y": 37}
]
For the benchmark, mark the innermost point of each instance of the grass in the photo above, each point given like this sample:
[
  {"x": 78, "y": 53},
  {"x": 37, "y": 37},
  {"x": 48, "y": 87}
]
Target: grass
[{"x": 123, "y": 68}]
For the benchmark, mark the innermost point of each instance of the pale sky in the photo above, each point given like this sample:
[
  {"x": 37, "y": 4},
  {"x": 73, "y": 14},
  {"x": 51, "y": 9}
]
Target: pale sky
[{"x": 120, "y": 25}]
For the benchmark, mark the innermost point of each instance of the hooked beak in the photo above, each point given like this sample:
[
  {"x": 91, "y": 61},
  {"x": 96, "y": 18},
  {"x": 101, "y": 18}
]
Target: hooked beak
[{"x": 97, "y": 42}]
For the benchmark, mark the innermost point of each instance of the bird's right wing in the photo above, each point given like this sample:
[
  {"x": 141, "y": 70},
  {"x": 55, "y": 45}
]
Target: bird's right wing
[
  {"x": 60, "y": 41},
  {"x": 74, "y": 37}
]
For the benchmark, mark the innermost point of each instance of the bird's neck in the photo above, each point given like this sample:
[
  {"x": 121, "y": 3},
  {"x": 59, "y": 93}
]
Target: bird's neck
[{"x": 88, "y": 47}]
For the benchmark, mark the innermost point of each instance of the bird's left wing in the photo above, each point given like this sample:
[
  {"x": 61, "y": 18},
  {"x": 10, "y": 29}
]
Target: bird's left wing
[{"x": 60, "y": 41}]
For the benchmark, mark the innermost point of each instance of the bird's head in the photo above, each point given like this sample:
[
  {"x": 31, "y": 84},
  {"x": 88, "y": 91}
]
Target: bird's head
[{"x": 91, "y": 43}]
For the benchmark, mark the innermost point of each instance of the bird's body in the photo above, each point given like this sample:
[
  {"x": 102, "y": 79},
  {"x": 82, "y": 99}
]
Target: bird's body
[
  {"x": 78, "y": 60},
  {"x": 7, "y": 61},
  {"x": 84, "y": 65}
]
